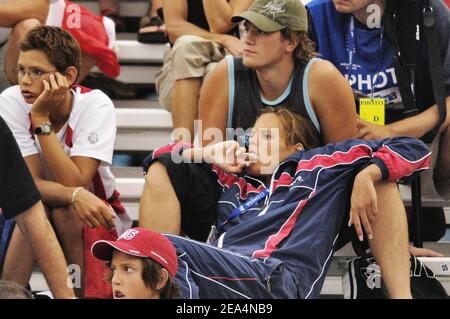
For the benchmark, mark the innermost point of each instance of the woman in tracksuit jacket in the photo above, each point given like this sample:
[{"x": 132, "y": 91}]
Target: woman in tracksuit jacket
[{"x": 278, "y": 217}]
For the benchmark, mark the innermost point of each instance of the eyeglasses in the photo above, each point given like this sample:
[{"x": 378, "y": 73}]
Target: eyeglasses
[{"x": 33, "y": 73}]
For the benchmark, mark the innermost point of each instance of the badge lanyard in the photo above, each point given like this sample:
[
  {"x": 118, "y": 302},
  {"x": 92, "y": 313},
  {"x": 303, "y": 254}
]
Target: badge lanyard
[
  {"x": 352, "y": 51},
  {"x": 244, "y": 207}
]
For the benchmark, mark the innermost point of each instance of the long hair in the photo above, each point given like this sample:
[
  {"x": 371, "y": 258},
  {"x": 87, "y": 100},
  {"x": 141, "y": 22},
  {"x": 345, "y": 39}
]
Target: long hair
[
  {"x": 151, "y": 275},
  {"x": 298, "y": 129},
  {"x": 305, "y": 49}
]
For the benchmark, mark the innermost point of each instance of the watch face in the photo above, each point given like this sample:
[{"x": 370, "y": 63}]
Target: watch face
[{"x": 46, "y": 129}]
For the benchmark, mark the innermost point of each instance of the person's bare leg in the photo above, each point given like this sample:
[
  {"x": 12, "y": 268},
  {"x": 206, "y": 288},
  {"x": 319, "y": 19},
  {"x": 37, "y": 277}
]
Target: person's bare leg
[
  {"x": 185, "y": 105},
  {"x": 70, "y": 233},
  {"x": 19, "y": 259},
  {"x": 87, "y": 62},
  {"x": 442, "y": 169},
  {"x": 390, "y": 245},
  {"x": 159, "y": 208},
  {"x": 41, "y": 242},
  {"x": 16, "y": 36}
]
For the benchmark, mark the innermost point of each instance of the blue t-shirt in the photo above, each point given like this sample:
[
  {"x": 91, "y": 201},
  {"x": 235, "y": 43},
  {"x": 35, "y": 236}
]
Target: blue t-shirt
[{"x": 370, "y": 65}]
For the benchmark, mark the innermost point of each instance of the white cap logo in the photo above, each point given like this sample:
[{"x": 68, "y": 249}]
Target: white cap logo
[
  {"x": 129, "y": 234},
  {"x": 274, "y": 8}
]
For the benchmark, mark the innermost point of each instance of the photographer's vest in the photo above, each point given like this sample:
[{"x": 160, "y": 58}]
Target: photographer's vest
[{"x": 245, "y": 100}]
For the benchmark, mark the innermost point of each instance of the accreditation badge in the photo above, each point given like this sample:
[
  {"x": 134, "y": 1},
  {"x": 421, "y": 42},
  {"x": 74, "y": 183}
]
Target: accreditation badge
[{"x": 372, "y": 110}]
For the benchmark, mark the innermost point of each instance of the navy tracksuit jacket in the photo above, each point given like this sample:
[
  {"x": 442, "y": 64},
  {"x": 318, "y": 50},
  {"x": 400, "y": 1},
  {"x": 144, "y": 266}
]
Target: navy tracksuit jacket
[{"x": 282, "y": 247}]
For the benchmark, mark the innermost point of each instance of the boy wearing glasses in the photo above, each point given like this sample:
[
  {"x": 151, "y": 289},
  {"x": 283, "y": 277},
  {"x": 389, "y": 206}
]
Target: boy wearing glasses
[{"x": 66, "y": 135}]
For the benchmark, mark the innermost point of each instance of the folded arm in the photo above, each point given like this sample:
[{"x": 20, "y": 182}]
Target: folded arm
[
  {"x": 176, "y": 17},
  {"x": 14, "y": 11},
  {"x": 219, "y": 13}
]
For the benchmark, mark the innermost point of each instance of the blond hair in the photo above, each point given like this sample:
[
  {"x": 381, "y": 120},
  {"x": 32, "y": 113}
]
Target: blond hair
[
  {"x": 298, "y": 129},
  {"x": 305, "y": 50}
]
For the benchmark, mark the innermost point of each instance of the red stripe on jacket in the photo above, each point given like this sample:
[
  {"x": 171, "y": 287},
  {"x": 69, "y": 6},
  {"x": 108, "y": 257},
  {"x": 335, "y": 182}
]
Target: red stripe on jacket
[{"x": 285, "y": 230}]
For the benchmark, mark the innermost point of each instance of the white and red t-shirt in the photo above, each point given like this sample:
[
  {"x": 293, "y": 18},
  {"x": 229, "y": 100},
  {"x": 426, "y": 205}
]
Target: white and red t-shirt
[{"x": 90, "y": 131}]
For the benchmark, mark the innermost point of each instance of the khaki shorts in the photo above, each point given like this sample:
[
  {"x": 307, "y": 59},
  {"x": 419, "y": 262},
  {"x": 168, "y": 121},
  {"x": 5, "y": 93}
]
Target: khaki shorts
[{"x": 190, "y": 57}]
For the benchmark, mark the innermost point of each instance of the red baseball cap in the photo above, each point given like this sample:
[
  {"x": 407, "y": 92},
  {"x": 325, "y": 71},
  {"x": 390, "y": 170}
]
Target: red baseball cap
[{"x": 140, "y": 242}]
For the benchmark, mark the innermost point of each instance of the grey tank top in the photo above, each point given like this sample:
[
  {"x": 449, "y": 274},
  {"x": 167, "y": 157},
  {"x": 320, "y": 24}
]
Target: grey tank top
[{"x": 245, "y": 99}]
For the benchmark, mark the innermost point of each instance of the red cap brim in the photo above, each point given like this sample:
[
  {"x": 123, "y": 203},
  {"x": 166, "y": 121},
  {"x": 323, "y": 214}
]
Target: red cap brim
[{"x": 103, "y": 249}]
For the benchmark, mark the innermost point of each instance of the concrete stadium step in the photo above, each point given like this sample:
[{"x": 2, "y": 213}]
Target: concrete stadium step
[
  {"x": 130, "y": 183},
  {"x": 128, "y": 8},
  {"x": 142, "y": 125},
  {"x": 141, "y": 139},
  {"x": 138, "y": 118},
  {"x": 132, "y": 51},
  {"x": 136, "y": 74},
  {"x": 144, "y": 104},
  {"x": 126, "y": 36}
]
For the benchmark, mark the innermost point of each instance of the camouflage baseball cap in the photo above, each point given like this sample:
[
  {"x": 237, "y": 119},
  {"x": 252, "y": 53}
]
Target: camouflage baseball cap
[{"x": 275, "y": 15}]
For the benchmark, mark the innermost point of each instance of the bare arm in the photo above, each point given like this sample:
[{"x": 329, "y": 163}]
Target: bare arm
[
  {"x": 213, "y": 105},
  {"x": 70, "y": 172},
  {"x": 219, "y": 13},
  {"x": 53, "y": 194},
  {"x": 419, "y": 125},
  {"x": 90, "y": 209},
  {"x": 176, "y": 13},
  {"x": 364, "y": 200},
  {"x": 228, "y": 155},
  {"x": 415, "y": 126},
  {"x": 14, "y": 11},
  {"x": 76, "y": 171},
  {"x": 38, "y": 232},
  {"x": 334, "y": 106}
]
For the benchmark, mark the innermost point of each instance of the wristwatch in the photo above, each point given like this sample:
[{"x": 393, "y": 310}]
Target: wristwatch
[{"x": 44, "y": 129}]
